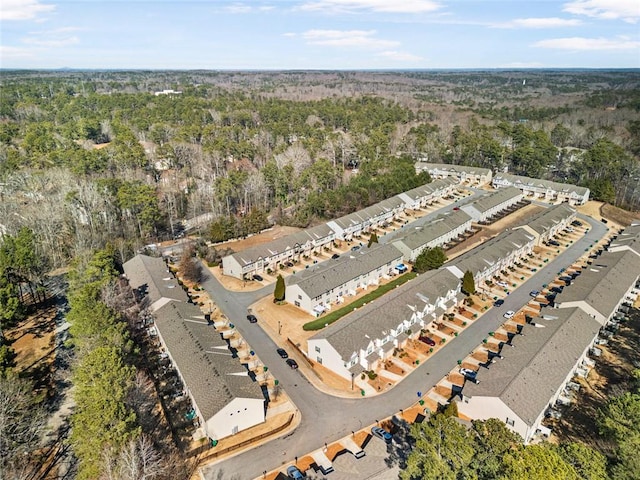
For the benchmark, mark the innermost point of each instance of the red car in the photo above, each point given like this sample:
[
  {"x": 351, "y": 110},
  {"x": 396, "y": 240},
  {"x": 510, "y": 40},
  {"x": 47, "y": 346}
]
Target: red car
[{"x": 427, "y": 340}]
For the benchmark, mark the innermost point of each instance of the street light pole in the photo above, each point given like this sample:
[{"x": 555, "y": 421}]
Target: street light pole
[
  {"x": 279, "y": 327},
  {"x": 352, "y": 374}
]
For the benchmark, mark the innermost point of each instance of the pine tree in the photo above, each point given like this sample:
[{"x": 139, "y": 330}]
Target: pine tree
[
  {"x": 468, "y": 283},
  {"x": 372, "y": 239},
  {"x": 279, "y": 292}
]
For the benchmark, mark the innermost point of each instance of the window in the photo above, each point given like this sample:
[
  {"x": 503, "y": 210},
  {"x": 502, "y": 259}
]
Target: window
[
  {"x": 299, "y": 297},
  {"x": 510, "y": 422},
  {"x": 319, "y": 359},
  {"x": 297, "y": 303},
  {"x": 317, "y": 349}
]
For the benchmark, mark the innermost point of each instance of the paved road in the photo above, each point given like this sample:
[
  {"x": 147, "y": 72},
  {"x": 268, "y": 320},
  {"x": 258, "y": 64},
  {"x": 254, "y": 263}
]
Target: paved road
[{"x": 326, "y": 418}]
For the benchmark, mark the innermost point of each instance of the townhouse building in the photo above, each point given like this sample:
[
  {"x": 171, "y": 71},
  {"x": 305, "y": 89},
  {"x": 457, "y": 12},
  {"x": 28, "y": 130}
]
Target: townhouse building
[
  {"x": 319, "y": 287},
  {"x": 464, "y": 174},
  {"x": 493, "y": 256},
  {"x": 436, "y": 233},
  {"x": 152, "y": 282},
  {"x": 225, "y": 399},
  {"x": 543, "y": 189},
  {"x": 368, "y": 336},
  {"x": 519, "y": 388},
  {"x": 545, "y": 224},
  {"x": 425, "y": 195},
  {"x": 491, "y": 204},
  {"x": 268, "y": 256}
]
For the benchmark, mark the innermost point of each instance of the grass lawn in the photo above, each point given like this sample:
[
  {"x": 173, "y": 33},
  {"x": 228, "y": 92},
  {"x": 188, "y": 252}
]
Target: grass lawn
[{"x": 328, "y": 319}]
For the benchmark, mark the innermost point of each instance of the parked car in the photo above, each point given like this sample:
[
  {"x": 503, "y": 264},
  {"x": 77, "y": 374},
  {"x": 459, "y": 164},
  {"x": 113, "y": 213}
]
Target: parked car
[
  {"x": 252, "y": 318},
  {"x": 509, "y": 314},
  {"x": 498, "y": 303},
  {"x": 335, "y": 255},
  {"x": 427, "y": 340},
  {"x": 576, "y": 223},
  {"x": 469, "y": 374},
  {"x": 257, "y": 278},
  {"x": 382, "y": 434},
  {"x": 534, "y": 293},
  {"x": 401, "y": 268},
  {"x": 502, "y": 284},
  {"x": 294, "y": 473},
  {"x": 555, "y": 243},
  {"x": 355, "y": 248},
  {"x": 282, "y": 352},
  {"x": 292, "y": 363},
  {"x": 289, "y": 264},
  {"x": 556, "y": 289}
]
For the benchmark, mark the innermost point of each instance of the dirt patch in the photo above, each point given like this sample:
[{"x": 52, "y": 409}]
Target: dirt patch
[
  {"x": 490, "y": 231},
  {"x": 618, "y": 215}
]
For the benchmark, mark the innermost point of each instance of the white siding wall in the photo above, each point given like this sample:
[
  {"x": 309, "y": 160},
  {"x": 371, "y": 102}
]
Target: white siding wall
[
  {"x": 484, "y": 408},
  {"x": 238, "y": 415},
  {"x": 329, "y": 357}
]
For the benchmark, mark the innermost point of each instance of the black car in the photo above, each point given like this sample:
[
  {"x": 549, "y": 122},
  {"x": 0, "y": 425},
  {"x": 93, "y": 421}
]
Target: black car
[
  {"x": 498, "y": 303},
  {"x": 554, "y": 243},
  {"x": 282, "y": 352},
  {"x": 292, "y": 363},
  {"x": 556, "y": 289},
  {"x": 252, "y": 318},
  {"x": 289, "y": 264},
  {"x": 335, "y": 255},
  {"x": 257, "y": 278}
]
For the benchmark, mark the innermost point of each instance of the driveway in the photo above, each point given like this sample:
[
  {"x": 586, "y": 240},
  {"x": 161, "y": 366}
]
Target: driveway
[{"x": 326, "y": 418}]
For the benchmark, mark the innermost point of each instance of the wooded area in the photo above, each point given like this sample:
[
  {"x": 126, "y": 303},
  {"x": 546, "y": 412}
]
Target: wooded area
[{"x": 90, "y": 158}]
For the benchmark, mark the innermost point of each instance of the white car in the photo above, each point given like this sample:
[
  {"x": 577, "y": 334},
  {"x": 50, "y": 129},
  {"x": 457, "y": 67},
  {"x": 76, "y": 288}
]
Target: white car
[
  {"x": 502, "y": 284},
  {"x": 509, "y": 314}
]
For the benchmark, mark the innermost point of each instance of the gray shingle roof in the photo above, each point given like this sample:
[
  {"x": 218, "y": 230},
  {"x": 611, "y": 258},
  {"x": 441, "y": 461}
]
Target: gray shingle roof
[
  {"x": 603, "y": 284},
  {"x": 517, "y": 180},
  {"x": 203, "y": 359},
  {"x": 152, "y": 275},
  {"x": 356, "y": 330},
  {"x": 491, "y": 200},
  {"x": 483, "y": 256},
  {"x": 628, "y": 239},
  {"x": 429, "y": 188},
  {"x": 452, "y": 168},
  {"x": 439, "y": 226},
  {"x": 532, "y": 372},
  {"x": 325, "y": 276},
  {"x": 543, "y": 221}
]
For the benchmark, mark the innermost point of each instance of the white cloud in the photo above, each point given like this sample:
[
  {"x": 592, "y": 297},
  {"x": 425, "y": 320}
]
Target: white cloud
[
  {"x": 551, "y": 22},
  {"x": 347, "y": 38},
  {"x": 242, "y": 8},
  {"x": 7, "y": 52},
  {"x": 54, "y": 38},
  {"x": 627, "y": 10},
  {"x": 55, "y": 42},
  {"x": 385, "y": 6},
  {"x": 581, "y": 43},
  {"x": 23, "y": 9},
  {"x": 400, "y": 56}
]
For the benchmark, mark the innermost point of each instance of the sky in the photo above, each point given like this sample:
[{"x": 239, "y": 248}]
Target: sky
[{"x": 319, "y": 34}]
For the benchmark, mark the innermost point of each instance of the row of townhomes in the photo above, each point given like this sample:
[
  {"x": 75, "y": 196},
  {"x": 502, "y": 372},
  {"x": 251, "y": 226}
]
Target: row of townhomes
[
  {"x": 543, "y": 189},
  {"x": 225, "y": 399},
  {"x": 320, "y": 286},
  {"x": 267, "y": 257},
  {"x": 547, "y": 223},
  {"x": 436, "y": 233},
  {"x": 493, "y": 256},
  {"x": 369, "y": 335},
  {"x": 537, "y": 374},
  {"x": 466, "y": 175},
  {"x": 491, "y": 204}
]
